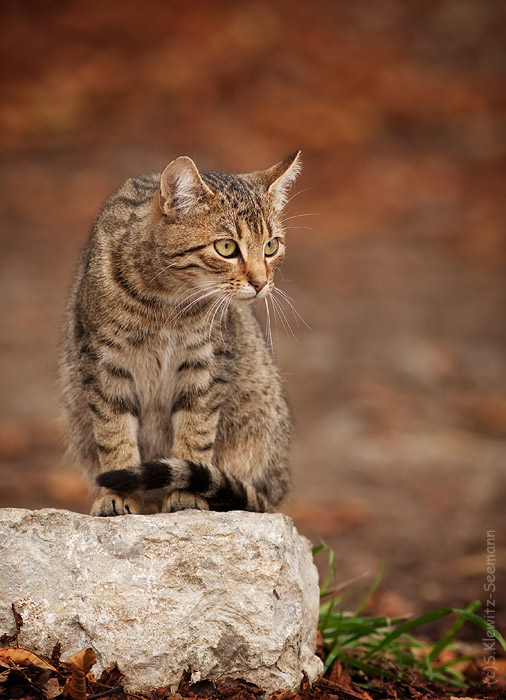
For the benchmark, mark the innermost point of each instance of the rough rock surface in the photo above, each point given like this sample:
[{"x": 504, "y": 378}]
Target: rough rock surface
[{"x": 232, "y": 594}]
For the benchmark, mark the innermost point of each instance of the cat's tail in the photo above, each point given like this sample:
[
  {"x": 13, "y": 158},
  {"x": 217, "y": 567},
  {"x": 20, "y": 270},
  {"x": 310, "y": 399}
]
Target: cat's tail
[{"x": 222, "y": 491}]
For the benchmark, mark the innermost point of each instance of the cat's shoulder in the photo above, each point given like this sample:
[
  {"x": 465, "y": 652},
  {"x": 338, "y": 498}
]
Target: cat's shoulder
[{"x": 135, "y": 193}]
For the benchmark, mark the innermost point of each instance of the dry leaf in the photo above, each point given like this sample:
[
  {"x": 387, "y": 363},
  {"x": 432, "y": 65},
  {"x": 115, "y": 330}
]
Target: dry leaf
[
  {"x": 23, "y": 657},
  {"x": 51, "y": 689},
  {"x": 7, "y": 639},
  {"x": 184, "y": 684},
  {"x": 83, "y": 660},
  {"x": 80, "y": 664}
]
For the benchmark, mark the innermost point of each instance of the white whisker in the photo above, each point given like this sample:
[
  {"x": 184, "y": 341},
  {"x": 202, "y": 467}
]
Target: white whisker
[
  {"x": 221, "y": 301},
  {"x": 284, "y": 321},
  {"x": 268, "y": 331},
  {"x": 195, "y": 301},
  {"x": 166, "y": 267},
  {"x": 298, "y": 216},
  {"x": 213, "y": 306},
  {"x": 296, "y": 195},
  {"x": 224, "y": 312},
  {"x": 188, "y": 293},
  {"x": 286, "y": 297}
]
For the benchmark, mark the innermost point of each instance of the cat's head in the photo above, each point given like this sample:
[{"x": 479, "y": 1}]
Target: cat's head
[{"x": 221, "y": 235}]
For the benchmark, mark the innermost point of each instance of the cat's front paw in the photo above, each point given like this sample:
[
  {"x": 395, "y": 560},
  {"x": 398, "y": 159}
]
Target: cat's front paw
[
  {"x": 111, "y": 503},
  {"x": 184, "y": 500}
]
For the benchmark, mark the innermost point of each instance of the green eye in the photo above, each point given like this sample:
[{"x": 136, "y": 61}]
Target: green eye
[
  {"x": 226, "y": 247},
  {"x": 271, "y": 247}
]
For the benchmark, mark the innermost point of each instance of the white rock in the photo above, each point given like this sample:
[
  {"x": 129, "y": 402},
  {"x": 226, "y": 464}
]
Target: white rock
[{"x": 232, "y": 594}]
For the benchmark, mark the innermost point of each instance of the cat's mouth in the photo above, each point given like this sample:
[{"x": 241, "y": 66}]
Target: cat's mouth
[{"x": 249, "y": 293}]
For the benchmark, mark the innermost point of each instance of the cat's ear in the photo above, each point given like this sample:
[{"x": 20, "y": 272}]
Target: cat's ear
[
  {"x": 280, "y": 177},
  {"x": 181, "y": 187}
]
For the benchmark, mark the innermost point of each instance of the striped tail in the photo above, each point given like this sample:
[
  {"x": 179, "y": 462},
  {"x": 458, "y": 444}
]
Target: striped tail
[{"x": 222, "y": 491}]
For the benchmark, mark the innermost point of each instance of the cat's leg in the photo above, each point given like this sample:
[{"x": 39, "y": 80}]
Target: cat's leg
[
  {"x": 260, "y": 463},
  {"x": 253, "y": 443},
  {"x": 194, "y": 421},
  {"x": 115, "y": 428},
  {"x": 184, "y": 500},
  {"x": 109, "y": 503}
]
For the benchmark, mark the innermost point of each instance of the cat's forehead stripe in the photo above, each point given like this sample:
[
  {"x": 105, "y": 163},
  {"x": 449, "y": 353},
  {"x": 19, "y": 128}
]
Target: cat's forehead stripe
[{"x": 237, "y": 189}]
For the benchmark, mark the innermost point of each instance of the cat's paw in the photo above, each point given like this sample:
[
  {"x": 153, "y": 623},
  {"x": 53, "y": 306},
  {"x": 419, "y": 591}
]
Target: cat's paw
[
  {"x": 184, "y": 500},
  {"x": 113, "y": 504}
]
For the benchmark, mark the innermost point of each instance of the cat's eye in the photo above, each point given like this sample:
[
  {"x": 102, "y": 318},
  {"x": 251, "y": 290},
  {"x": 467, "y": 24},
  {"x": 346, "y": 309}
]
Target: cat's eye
[
  {"x": 271, "y": 247},
  {"x": 226, "y": 247}
]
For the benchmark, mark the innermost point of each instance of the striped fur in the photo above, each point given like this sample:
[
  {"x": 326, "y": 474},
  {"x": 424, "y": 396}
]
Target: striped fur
[{"x": 171, "y": 396}]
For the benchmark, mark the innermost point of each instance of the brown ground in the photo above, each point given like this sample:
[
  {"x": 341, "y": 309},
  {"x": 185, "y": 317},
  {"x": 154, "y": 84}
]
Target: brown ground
[{"x": 399, "y": 388}]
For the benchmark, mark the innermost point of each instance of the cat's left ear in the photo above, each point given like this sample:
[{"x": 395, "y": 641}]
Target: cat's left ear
[
  {"x": 281, "y": 177},
  {"x": 181, "y": 187}
]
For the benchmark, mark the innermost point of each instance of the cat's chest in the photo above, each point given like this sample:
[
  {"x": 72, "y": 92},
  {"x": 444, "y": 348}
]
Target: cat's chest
[
  {"x": 158, "y": 369},
  {"x": 155, "y": 371}
]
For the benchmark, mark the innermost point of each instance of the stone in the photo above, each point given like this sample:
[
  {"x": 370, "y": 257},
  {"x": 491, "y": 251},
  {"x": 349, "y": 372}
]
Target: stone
[{"x": 233, "y": 594}]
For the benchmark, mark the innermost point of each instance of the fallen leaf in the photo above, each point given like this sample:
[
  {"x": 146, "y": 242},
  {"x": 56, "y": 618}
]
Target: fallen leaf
[
  {"x": 111, "y": 676},
  {"x": 283, "y": 695},
  {"x": 23, "y": 657},
  {"x": 56, "y": 654},
  {"x": 80, "y": 664},
  {"x": 51, "y": 689},
  {"x": 7, "y": 639},
  {"x": 184, "y": 684}
]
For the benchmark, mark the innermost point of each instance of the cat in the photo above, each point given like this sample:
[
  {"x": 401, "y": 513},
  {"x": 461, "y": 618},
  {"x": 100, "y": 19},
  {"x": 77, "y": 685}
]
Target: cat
[{"x": 170, "y": 392}]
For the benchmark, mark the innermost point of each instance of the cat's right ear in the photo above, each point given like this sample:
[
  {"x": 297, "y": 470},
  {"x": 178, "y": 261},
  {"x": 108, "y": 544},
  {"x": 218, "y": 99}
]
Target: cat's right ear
[
  {"x": 281, "y": 177},
  {"x": 181, "y": 187}
]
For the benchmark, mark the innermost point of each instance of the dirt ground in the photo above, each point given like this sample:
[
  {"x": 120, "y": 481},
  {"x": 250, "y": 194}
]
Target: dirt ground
[{"x": 397, "y": 262}]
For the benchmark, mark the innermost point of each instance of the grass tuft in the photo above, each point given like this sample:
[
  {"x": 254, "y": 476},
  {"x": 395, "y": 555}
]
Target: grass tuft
[{"x": 384, "y": 647}]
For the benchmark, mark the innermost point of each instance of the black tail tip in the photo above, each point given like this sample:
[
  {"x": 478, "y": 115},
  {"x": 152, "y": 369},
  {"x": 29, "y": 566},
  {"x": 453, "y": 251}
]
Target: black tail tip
[{"x": 122, "y": 480}]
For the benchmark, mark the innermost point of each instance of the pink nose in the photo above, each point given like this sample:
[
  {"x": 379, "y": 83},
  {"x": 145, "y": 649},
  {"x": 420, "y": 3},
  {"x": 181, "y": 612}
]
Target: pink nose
[{"x": 258, "y": 286}]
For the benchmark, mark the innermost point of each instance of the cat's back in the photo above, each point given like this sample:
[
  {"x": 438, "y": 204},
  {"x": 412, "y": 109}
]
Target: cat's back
[{"x": 128, "y": 206}]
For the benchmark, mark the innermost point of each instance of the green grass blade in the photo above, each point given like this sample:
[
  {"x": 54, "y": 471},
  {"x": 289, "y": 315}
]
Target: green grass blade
[
  {"x": 372, "y": 589},
  {"x": 323, "y": 546},
  {"x": 325, "y": 622},
  {"x": 453, "y": 662},
  {"x": 333, "y": 654},
  {"x": 358, "y": 640},
  {"x": 449, "y": 636},
  {"x": 398, "y": 631},
  {"x": 480, "y": 622}
]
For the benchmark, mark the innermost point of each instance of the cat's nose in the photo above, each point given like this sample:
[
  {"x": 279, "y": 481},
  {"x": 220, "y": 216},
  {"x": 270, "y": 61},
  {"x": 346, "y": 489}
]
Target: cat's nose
[{"x": 258, "y": 286}]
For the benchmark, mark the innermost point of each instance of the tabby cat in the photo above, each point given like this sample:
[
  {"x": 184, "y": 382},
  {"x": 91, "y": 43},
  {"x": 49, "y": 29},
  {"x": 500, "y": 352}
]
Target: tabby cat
[{"x": 170, "y": 392}]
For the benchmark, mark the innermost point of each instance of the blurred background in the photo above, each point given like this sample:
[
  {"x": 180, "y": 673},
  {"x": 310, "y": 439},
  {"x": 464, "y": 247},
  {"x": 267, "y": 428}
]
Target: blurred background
[{"x": 397, "y": 261}]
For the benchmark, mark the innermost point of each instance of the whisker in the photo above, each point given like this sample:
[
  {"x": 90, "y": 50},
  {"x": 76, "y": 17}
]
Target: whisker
[
  {"x": 284, "y": 294},
  {"x": 192, "y": 292},
  {"x": 286, "y": 325},
  {"x": 296, "y": 195},
  {"x": 195, "y": 301},
  {"x": 286, "y": 297},
  {"x": 275, "y": 316},
  {"x": 268, "y": 331},
  {"x": 223, "y": 314},
  {"x": 166, "y": 267},
  {"x": 214, "y": 305},
  {"x": 222, "y": 300},
  {"x": 298, "y": 216}
]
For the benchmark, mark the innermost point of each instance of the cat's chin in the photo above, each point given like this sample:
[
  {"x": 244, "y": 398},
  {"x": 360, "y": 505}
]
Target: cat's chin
[
  {"x": 247, "y": 297},
  {"x": 244, "y": 300}
]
